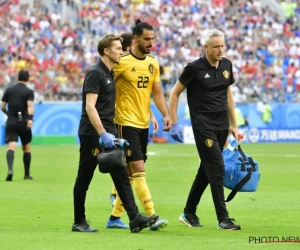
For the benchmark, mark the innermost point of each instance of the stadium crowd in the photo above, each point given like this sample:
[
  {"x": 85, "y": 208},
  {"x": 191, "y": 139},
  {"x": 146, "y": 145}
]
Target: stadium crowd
[{"x": 265, "y": 51}]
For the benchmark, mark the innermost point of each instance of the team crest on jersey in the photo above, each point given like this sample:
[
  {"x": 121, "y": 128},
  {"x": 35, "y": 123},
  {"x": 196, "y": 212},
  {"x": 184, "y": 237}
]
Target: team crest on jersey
[
  {"x": 226, "y": 74},
  {"x": 151, "y": 69},
  {"x": 95, "y": 152},
  {"x": 209, "y": 143}
]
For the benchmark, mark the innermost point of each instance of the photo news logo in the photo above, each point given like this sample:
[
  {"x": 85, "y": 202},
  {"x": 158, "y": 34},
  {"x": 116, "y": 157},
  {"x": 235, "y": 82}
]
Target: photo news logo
[{"x": 273, "y": 239}]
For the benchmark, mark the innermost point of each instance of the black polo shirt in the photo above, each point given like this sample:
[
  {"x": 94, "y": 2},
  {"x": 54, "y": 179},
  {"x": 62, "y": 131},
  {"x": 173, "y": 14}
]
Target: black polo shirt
[
  {"x": 16, "y": 97},
  {"x": 99, "y": 80},
  {"x": 207, "y": 93}
]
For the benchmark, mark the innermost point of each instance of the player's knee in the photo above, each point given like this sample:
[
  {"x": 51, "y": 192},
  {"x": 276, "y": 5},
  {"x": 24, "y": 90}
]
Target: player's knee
[
  {"x": 129, "y": 172},
  {"x": 137, "y": 166},
  {"x": 26, "y": 148},
  {"x": 12, "y": 145}
]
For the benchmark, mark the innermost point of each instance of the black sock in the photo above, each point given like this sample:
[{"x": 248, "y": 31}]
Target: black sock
[
  {"x": 113, "y": 218},
  {"x": 26, "y": 160},
  {"x": 10, "y": 155}
]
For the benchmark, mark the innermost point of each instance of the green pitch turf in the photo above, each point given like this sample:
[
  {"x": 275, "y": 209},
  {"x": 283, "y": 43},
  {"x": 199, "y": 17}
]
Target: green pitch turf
[{"x": 38, "y": 214}]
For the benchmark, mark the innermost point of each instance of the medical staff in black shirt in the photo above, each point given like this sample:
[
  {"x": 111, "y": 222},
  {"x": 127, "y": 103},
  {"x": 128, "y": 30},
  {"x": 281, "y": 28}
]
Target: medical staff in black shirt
[{"x": 208, "y": 82}]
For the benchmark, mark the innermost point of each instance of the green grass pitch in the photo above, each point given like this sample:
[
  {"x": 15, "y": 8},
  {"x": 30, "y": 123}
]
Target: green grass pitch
[{"x": 38, "y": 214}]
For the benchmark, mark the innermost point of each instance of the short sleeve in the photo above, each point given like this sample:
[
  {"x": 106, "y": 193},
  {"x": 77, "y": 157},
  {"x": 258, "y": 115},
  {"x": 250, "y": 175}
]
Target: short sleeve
[
  {"x": 92, "y": 82},
  {"x": 31, "y": 96},
  {"x": 232, "y": 80},
  {"x": 156, "y": 73},
  {"x": 5, "y": 97},
  {"x": 187, "y": 75}
]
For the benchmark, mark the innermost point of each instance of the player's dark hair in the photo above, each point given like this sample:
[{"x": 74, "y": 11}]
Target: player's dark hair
[
  {"x": 127, "y": 40},
  {"x": 23, "y": 76},
  {"x": 139, "y": 27}
]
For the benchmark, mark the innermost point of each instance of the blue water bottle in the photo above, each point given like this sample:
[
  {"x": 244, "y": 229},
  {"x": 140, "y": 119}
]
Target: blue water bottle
[
  {"x": 121, "y": 143},
  {"x": 236, "y": 141}
]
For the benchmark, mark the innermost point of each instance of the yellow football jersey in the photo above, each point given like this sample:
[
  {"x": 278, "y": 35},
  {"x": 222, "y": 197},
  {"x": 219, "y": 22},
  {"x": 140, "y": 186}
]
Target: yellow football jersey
[{"x": 134, "y": 80}]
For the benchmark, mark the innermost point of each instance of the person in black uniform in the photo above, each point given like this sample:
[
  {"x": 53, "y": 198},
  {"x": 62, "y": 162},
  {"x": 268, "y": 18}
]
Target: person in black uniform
[
  {"x": 98, "y": 111},
  {"x": 211, "y": 105},
  {"x": 19, "y": 122}
]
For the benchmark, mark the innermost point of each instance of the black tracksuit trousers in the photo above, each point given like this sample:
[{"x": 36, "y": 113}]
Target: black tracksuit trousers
[{"x": 209, "y": 144}]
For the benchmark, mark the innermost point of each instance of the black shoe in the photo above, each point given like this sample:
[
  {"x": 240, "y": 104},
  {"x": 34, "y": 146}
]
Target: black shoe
[
  {"x": 141, "y": 221},
  {"x": 191, "y": 220},
  {"x": 228, "y": 224},
  {"x": 9, "y": 177},
  {"x": 28, "y": 177},
  {"x": 83, "y": 227}
]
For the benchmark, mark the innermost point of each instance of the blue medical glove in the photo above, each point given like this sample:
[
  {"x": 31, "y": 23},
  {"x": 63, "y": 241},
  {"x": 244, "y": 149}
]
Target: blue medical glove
[
  {"x": 107, "y": 140},
  {"x": 176, "y": 133}
]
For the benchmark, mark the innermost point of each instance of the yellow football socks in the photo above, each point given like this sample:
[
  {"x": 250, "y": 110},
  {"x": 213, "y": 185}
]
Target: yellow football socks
[
  {"x": 143, "y": 193},
  {"x": 118, "y": 207}
]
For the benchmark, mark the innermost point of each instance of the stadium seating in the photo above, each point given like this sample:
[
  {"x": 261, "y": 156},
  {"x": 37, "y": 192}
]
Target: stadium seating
[{"x": 59, "y": 52}]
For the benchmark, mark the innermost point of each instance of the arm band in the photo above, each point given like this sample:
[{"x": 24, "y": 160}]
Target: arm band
[{"x": 30, "y": 117}]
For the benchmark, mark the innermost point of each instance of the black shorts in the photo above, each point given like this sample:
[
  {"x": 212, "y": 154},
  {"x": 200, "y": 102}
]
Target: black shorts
[
  {"x": 15, "y": 129},
  {"x": 138, "y": 142}
]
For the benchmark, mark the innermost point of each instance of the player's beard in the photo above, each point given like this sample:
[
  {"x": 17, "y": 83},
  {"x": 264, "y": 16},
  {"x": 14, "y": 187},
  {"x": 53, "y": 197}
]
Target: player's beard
[{"x": 143, "y": 50}]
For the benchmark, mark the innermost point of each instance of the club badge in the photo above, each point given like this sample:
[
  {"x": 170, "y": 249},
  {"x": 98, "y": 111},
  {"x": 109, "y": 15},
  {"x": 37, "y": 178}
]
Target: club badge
[
  {"x": 209, "y": 143},
  {"x": 226, "y": 74}
]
